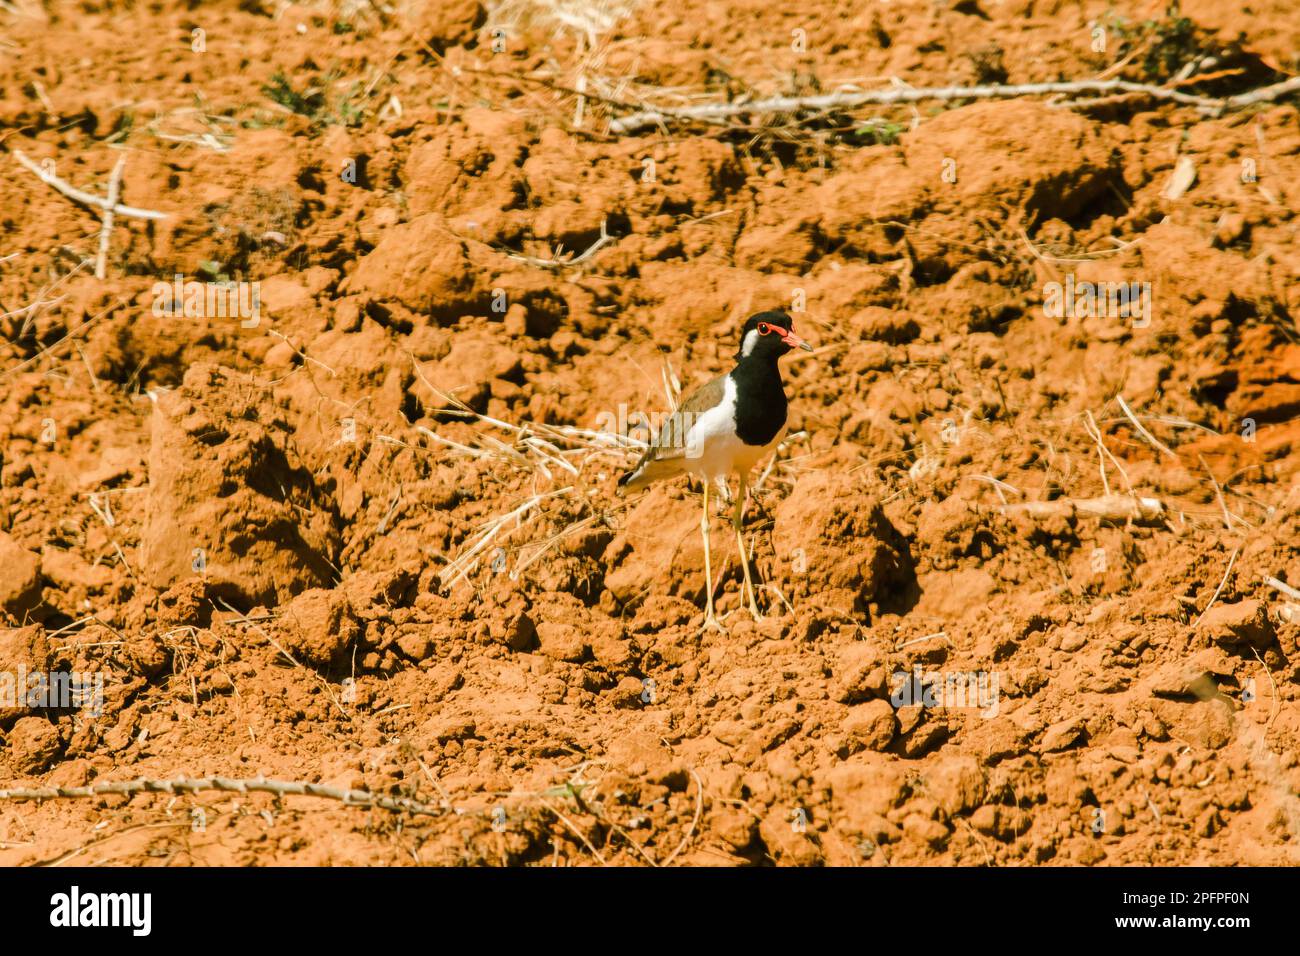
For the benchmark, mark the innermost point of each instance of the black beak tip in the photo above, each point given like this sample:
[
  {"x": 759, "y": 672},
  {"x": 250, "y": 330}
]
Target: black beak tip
[{"x": 805, "y": 346}]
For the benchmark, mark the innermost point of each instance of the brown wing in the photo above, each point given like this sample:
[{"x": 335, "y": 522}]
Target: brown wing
[{"x": 666, "y": 454}]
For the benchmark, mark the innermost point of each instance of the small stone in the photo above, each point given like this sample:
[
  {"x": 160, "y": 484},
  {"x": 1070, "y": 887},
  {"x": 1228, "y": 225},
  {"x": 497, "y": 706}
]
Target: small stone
[
  {"x": 1235, "y": 625},
  {"x": 446, "y": 23},
  {"x": 997, "y": 821},
  {"x": 23, "y": 650},
  {"x": 924, "y": 830},
  {"x": 562, "y": 642},
  {"x": 628, "y": 693},
  {"x": 318, "y": 626},
  {"x": 956, "y": 784},
  {"x": 872, "y": 723},
  {"x": 869, "y": 356},
  {"x": 1230, "y": 227},
  {"x": 885, "y": 325},
  {"x": 416, "y": 642},
  {"x": 33, "y": 743},
  {"x": 460, "y": 727},
  {"x": 1062, "y": 735},
  {"x": 734, "y": 827},
  {"x": 612, "y": 651},
  {"x": 925, "y": 738},
  {"x": 20, "y": 584},
  {"x": 516, "y": 321},
  {"x": 860, "y": 674},
  {"x": 520, "y": 633},
  {"x": 1073, "y": 640}
]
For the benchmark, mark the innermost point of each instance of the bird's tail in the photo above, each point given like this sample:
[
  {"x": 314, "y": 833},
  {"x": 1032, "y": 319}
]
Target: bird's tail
[{"x": 648, "y": 471}]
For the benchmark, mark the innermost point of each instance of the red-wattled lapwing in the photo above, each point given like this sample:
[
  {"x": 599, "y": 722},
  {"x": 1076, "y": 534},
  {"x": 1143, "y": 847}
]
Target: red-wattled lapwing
[{"x": 728, "y": 425}]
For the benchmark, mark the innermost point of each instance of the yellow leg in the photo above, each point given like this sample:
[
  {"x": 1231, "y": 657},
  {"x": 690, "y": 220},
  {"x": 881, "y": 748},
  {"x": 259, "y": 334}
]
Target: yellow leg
[
  {"x": 709, "y": 619},
  {"x": 737, "y": 519}
]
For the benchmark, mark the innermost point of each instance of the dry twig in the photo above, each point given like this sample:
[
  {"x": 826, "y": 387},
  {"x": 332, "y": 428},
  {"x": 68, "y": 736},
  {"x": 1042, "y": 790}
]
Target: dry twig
[
  {"x": 1218, "y": 493},
  {"x": 1282, "y": 586},
  {"x": 106, "y": 220},
  {"x": 1110, "y": 508},
  {"x": 77, "y": 195}
]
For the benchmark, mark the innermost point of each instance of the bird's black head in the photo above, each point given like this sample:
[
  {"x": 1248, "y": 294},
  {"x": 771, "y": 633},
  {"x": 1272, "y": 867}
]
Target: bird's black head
[{"x": 769, "y": 335}]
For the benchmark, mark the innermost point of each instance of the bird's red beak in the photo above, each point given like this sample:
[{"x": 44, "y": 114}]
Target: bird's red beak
[{"x": 792, "y": 340}]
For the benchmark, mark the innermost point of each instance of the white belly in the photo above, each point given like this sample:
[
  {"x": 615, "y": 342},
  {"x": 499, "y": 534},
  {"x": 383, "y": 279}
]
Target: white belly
[{"x": 714, "y": 450}]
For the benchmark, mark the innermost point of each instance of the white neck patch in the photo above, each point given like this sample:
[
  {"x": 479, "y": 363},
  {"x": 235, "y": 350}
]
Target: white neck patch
[{"x": 750, "y": 340}]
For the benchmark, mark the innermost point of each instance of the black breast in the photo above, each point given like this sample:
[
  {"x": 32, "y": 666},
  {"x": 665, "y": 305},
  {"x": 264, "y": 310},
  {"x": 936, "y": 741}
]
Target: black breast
[{"x": 760, "y": 402}]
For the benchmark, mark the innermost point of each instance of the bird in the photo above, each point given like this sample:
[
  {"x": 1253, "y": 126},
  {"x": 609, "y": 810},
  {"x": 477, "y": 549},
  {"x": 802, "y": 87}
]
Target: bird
[{"x": 728, "y": 425}]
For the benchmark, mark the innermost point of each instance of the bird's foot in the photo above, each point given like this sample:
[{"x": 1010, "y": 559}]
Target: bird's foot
[{"x": 711, "y": 623}]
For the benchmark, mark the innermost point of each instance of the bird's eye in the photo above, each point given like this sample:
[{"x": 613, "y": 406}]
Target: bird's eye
[{"x": 764, "y": 328}]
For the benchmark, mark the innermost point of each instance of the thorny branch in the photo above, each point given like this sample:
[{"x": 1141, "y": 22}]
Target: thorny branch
[
  {"x": 353, "y": 798},
  {"x": 844, "y": 99}
]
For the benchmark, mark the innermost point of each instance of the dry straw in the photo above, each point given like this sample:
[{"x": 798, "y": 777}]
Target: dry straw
[{"x": 536, "y": 449}]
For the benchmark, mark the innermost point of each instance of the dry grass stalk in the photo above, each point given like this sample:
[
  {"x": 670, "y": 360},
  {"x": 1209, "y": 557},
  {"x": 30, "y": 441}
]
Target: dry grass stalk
[
  {"x": 576, "y": 832},
  {"x": 1090, "y": 425},
  {"x": 560, "y": 261},
  {"x": 1218, "y": 493},
  {"x": 1219, "y": 590},
  {"x": 694, "y": 822},
  {"x": 537, "y": 449},
  {"x": 1141, "y": 429},
  {"x": 998, "y": 486},
  {"x": 586, "y": 19},
  {"x": 31, "y": 312},
  {"x": 468, "y": 559},
  {"x": 71, "y": 336}
]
